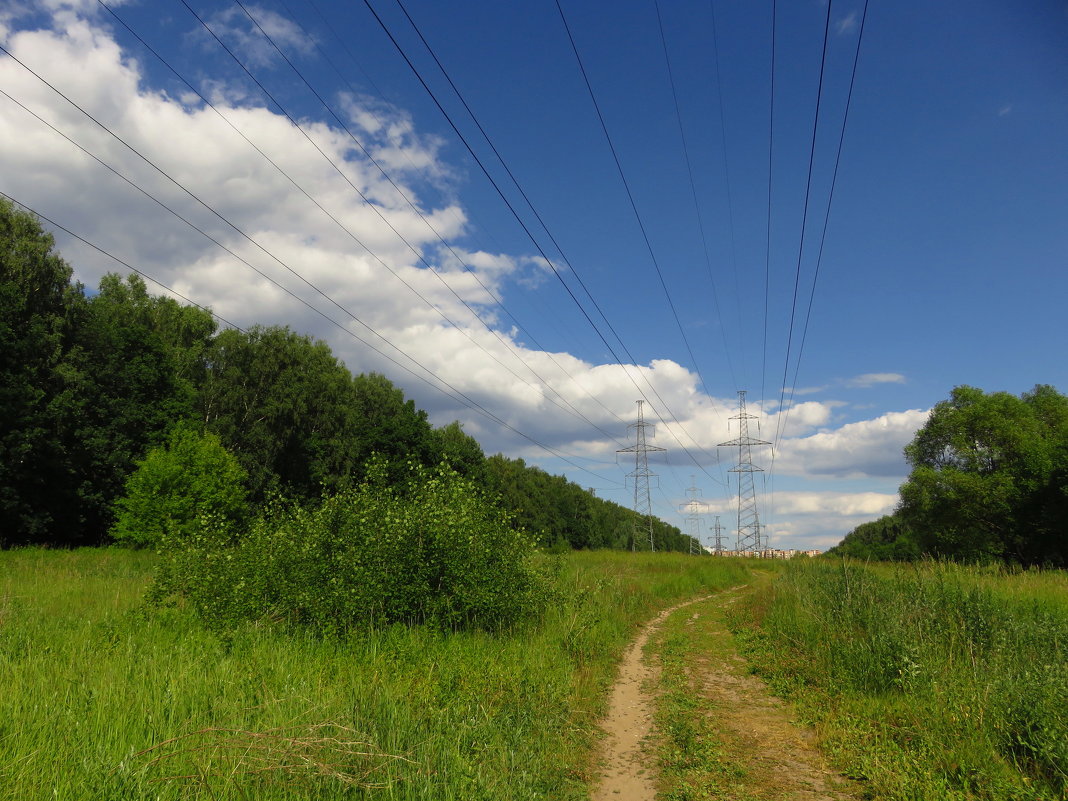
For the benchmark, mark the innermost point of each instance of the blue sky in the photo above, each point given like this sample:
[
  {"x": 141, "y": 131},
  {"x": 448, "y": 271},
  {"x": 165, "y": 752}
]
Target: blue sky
[{"x": 943, "y": 262}]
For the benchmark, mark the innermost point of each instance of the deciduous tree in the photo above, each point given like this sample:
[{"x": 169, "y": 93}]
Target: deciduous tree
[{"x": 988, "y": 477}]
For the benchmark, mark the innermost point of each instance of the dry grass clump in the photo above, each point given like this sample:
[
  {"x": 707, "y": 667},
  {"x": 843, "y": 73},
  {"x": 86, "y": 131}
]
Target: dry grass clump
[{"x": 295, "y": 755}]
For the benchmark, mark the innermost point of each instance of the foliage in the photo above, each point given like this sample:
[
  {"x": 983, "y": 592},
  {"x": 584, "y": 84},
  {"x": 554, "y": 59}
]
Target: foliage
[
  {"x": 887, "y": 539},
  {"x": 390, "y": 427},
  {"x": 435, "y": 552},
  {"x": 193, "y": 476},
  {"x": 284, "y": 406},
  {"x": 87, "y": 385},
  {"x": 989, "y": 477},
  {"x": 563, "y": 513},
  {"x": 36, "y": 297},
  {"x": 931, "y": 680},
  {"x": 128, "y": 381},
  {"x": 452, "y": 445},
  {"x": 298, "y": 421}
]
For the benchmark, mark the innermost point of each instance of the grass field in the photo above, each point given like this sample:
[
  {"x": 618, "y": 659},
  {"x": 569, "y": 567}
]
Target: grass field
[
  {"x": 928, "y": 681},
  {"x": 103, "y": 699},
  {"x": 924, "y": 682}
]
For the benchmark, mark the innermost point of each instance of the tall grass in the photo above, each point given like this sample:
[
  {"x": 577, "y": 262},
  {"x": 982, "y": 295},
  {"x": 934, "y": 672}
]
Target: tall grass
[
  {"x": 101, "y": 698},
  {"x": 929, "y": 681}
]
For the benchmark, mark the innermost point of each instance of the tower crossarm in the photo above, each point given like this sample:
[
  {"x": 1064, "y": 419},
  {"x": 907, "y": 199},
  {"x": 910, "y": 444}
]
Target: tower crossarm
[{"x": 743, "y": 441}]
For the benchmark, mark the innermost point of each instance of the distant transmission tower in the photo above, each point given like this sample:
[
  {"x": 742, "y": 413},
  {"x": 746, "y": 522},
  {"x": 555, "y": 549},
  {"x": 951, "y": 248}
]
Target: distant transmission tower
[
  {"x": 749, "y": 536},
  {"x": 717, "y": 538},
  {"x": 693, "y": 509},
  {"x": 643, "y": 507}
]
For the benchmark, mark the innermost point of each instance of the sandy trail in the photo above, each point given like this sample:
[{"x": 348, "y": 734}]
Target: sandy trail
[
  {"x": 779, "y": 757},
  {"x": 629, "y": 772}
]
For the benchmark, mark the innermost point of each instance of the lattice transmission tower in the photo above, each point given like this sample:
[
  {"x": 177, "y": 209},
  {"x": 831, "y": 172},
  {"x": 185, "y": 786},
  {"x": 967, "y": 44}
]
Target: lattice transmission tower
[
  {"x": 643, "y": 506},
  {"x": 749, "y": 534},
  {"x": 717, "y": 538},
  {"x": 693, "y": 509}
]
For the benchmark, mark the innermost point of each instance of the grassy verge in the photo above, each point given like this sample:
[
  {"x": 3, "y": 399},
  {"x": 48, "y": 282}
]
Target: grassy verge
[
  {"x": 101, "y": 699},
  {"x": 927, "y": 681},
  {"x": 697, "y": 762}
]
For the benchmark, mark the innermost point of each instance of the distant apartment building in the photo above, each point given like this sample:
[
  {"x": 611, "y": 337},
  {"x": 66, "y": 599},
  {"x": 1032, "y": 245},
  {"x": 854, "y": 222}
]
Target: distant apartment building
[{"x": 767, "y": 553}]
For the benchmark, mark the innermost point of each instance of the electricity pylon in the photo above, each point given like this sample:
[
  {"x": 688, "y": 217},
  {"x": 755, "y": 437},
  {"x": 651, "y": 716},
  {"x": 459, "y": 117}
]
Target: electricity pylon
[
  {"x": 693, "y": 509},
  {"x": 717, "y": 539},
  {"x": 749, "y": 538},
  {"x": 643, "y": 507}
]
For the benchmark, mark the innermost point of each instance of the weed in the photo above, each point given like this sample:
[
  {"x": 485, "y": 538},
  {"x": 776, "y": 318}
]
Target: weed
[
  {"x": 931, "y": 680},
  {"x": 93, "y": 688}
]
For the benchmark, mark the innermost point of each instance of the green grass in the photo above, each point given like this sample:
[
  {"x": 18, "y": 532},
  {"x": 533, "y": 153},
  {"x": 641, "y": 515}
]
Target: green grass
[
  {"x": 926, "y": 681},
  {"x": 696, "y": 761},
  {"x": 101, "y": 698}
]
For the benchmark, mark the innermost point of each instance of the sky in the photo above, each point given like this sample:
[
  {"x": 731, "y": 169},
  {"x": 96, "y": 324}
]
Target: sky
[{"x": 530, "y": 216}]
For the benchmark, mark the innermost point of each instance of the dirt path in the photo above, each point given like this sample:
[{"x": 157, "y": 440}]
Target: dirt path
[
  {"x": 771, "y": 758},
  {"x": 628, "y": 771}
]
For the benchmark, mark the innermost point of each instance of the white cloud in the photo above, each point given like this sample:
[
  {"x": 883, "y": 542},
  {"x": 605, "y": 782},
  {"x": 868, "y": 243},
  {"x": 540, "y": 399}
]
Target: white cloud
[
  {"x": 872, "y": 379},
  {"x": 807, "y": 390},
  {"x": 803, "y": 519},
  {"x": 241, "y": 34},
  {"x": 362, "y": 264},
  {"x": 844, "y": 504},
  {"x": 855, "y": 450}
]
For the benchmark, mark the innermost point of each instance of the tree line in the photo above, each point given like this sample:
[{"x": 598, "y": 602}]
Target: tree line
[
  {"x": 989, "y": 483},
  {"x": 92, "y": 384}
]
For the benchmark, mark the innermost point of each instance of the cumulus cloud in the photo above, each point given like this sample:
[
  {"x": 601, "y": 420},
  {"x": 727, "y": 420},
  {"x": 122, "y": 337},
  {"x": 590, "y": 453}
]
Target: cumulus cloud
[
  {"x": 845, "y": 504},
  {"x": 804, "y": 519},
  {"x": 855, "y": 450},
  {"x": 370, "y": 266}
]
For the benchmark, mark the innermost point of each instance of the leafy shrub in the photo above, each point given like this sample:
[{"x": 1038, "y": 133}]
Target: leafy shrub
[
  {"x": 435, "y": 550},
  {"x": 192, "y": 477}
]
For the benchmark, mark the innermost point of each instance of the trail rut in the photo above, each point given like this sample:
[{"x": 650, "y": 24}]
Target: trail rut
[
  {"x": 629, "y": 772},
  {"x": 778, "y": 758}
]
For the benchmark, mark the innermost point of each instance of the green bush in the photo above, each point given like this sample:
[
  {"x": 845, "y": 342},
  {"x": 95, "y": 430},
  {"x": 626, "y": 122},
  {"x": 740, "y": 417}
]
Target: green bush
[
  {"x": 433, "y": 551},
  {"x": 192, "y": 477}
]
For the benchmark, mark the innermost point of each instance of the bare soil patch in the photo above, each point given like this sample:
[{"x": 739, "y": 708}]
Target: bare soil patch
[
  {"x": 764, "y": 754},
  {"x": 629, "y": 765}
]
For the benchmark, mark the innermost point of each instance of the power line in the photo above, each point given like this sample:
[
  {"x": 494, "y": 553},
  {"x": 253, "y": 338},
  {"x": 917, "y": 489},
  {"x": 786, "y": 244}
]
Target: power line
[
  {"x": 804, "y": 215},
  {"x": 415, "y": 251},
  {"x": 526, "y": 228},
  {"x": 630, "y": 195},
  {"x": 718, "y": 73},
  {"x": 767, "y": 246},
  {"x": 515, "y": 182},
  {"x": 301, "y": 189},
  {"x": 457, "y": 394},
  {"x": 830, "y": 199},
  {"x": 125, "y": 264},
  {"x": 382, "y": 217},
  {"x": 693, "y": 192}
]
